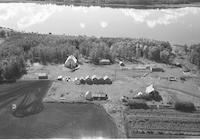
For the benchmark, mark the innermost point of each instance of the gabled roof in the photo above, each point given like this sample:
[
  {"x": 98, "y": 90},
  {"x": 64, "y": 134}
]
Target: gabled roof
[{"x": 72, "y": 57}]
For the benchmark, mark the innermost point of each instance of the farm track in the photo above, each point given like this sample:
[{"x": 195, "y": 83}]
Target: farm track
[{"x": 21, "y": 89}]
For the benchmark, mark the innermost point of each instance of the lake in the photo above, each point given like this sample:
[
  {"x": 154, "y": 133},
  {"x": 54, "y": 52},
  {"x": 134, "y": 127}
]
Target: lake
[{"x": 179, "y": 26}]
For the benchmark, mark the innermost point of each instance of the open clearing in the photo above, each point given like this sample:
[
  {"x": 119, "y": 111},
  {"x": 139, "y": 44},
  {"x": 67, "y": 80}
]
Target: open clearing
[{"x": 129, "y": 82}]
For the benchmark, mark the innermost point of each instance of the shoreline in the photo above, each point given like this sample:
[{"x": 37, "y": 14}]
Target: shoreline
[{"x": 115, "y": 5}]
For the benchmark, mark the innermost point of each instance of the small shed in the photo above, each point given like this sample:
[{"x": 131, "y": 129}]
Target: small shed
[
  {"x": 88, "y": 80},
  {"x": 121, "y": 64},
  {"x": 124, "y": 99},
  {"x": 88, "y": 95},
  {"x": 77, "y": 81},
  {"x": 42, "y": 76},
  {"x": 95, "y": 79},
  {"x": 101, "y": 80},
  {"x": 14, "y": 107},
  {"x": 104, "y": 62},
  {"x": 139, "y": 94},
  {"x": 156, "y": 69},
  {"x": 177, "y": 64},
  {"x": 60, "y": 78},
  {"x": 82, "y": 80},
  {"x": 141, "y": 67},
  {"x": 172, "y": 78},
  {"x": 100, "y": 96},
  {"x": 185, "y": 69},
  {"x": 107, "y": 80}
]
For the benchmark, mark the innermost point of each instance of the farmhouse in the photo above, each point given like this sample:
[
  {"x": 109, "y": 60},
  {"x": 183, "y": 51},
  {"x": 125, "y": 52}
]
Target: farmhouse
[{"x": 149, "y": 89}]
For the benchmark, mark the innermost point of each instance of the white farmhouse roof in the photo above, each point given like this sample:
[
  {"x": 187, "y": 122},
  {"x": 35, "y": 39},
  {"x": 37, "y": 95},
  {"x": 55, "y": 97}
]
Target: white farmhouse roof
[{"x": 149, "y": 89}]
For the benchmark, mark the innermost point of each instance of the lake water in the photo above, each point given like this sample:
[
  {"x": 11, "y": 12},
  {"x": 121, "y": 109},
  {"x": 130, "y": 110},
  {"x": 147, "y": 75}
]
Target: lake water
[{"x": 175, "y": 25}]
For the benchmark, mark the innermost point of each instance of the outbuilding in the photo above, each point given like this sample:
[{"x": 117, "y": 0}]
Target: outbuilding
[
  {"x": 60, "y": 78},
  {"x": 95, "y": 79},
  {"x": 185, "y": 69},
  {"x": 42, "y": 76},
  {"x": 104, "y": 62},
  {"x": 101, "y": 80},
  {"x": 107, "y": 80},
  {"x": 88, "y": 80},
  {"x": 156, "y": 69},
  {"x": 100, "y": 96},
  {"x": 88, "y": 95},
  {"x": 121, "y": 64},
  {"x": 82, "y": 80},
  {"x": 77, "y": 81}
]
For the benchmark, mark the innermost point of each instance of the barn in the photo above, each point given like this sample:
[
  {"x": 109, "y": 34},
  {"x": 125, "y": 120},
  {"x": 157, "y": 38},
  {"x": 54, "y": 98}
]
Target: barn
[{"x": 71, "y": 62}]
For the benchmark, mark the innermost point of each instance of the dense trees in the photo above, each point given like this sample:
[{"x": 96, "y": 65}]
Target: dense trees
[
  {"x": 100, "y": 51},
  {"x": 130, "y": 49},
  {"x": 20, "y": 47},
  {"x": 184, "y": 106},
  {"x": 194, "y": 54},
  {"x": 12, "y": 68},
  {"x": 2, "y": 34}
]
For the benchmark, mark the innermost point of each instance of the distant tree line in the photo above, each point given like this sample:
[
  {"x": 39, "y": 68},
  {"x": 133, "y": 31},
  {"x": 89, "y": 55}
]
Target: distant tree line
[
  {"x": 121, "y": 2},
  {"x": 20, "y": 47}
]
